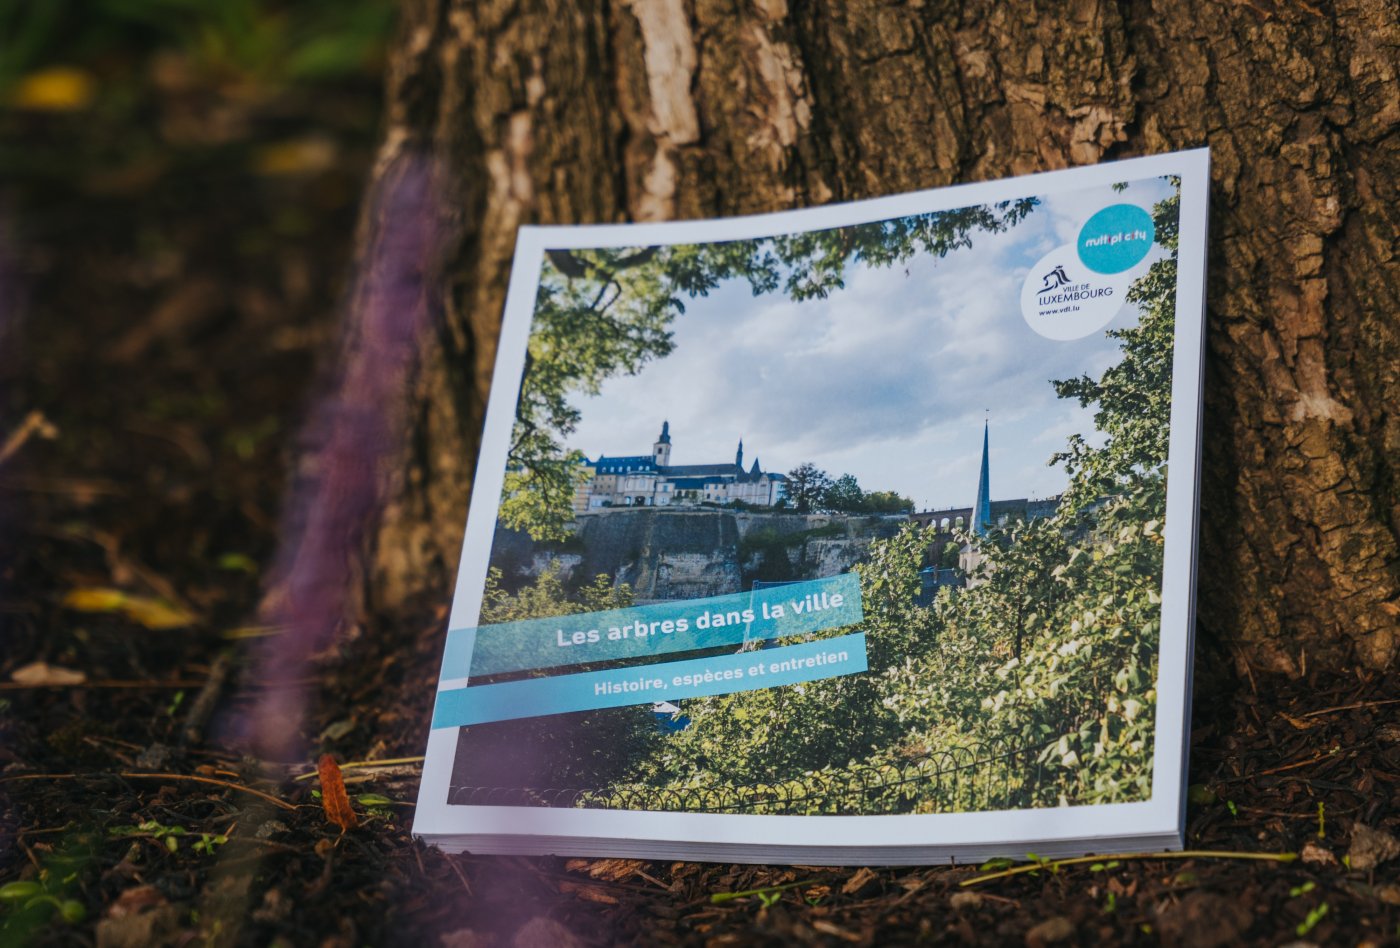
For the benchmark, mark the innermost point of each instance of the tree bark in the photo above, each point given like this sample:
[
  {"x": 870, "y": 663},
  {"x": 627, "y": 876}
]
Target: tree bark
[{"x": 617, "y": 110}]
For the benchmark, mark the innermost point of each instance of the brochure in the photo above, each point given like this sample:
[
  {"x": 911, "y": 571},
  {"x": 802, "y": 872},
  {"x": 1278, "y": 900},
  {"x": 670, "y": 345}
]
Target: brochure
[{"x": 862, "y": 534}]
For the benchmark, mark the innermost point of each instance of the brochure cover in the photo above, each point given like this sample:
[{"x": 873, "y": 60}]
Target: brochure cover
[{"x": 863, "y": 533}]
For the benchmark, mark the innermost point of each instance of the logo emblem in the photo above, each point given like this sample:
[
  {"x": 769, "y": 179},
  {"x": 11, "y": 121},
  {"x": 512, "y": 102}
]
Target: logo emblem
[{"x": 1054, "y": 279}]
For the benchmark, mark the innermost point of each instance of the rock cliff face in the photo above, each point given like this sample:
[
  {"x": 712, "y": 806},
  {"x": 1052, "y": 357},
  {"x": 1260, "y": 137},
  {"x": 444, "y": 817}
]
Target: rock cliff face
[
  {"x": 689, "y": 554},
  {"x": 663, "y": 554}
]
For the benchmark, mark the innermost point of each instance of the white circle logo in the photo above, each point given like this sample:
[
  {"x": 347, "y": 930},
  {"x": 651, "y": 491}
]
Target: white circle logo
[{"x": 1063, "y": 299}]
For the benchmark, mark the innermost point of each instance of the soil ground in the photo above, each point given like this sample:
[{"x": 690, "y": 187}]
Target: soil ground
[{"x": 165, "y": 308}]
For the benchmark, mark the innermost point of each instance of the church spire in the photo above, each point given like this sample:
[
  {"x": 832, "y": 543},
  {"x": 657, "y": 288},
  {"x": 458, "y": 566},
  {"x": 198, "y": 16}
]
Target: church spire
[
  {"x": 739, "y": 455},
  {"x": 661, "y": 450},
  {"x": 982, "y": 509}
]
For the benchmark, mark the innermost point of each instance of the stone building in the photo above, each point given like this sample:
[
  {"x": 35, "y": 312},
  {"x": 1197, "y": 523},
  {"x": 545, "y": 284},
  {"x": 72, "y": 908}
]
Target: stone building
[{"x": 653, "y": 481}]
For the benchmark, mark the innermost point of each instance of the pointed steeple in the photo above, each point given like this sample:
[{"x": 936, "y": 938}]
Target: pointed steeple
[
  {"x": 661, "y": 450},
  {"x": 755, "y": 470},
  {"x": 739, "y": 455},
  {"x": 982, "y": 509}
]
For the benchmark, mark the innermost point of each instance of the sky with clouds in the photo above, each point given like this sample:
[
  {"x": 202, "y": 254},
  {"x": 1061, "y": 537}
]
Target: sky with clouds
[{"x": 889, "y": 379}]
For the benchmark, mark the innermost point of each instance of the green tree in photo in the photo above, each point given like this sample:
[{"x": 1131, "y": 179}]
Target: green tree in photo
[
  {"x": 806, "y": 487},
  {"x": 843, "y": 495},
  {"x": 1057, "y": 646},
  {"x": 779, "y": 734},
  {"x": 886, "y": 502},
  {"x": 586, "y": 748}
]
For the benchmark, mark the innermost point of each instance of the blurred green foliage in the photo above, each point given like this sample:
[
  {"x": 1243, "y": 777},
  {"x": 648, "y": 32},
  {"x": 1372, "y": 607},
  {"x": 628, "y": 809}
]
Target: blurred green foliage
[{"x": 269, "y": 42}]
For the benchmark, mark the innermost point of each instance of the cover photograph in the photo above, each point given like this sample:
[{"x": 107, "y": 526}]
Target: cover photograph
[{"x": 863, "y": 533}]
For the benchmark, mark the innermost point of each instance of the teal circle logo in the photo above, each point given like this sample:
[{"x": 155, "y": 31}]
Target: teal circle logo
[{"x": 1116, "y": 238}]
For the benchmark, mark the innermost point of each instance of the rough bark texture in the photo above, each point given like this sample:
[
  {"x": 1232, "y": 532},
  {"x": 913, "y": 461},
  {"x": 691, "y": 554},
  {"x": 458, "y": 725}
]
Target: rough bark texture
[{"x": 614, "y": 110}]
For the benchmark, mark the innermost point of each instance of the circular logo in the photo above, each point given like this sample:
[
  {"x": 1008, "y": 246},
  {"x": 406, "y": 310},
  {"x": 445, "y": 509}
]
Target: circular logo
[
  {"x": 1062, "y": 299},
  {"x": 1116, "y": 238}
]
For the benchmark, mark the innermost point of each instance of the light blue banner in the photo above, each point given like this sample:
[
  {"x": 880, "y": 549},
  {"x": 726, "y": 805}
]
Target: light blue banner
[
  {"x": 668, "y": 681},
  {"x": 657, "y": 629}
]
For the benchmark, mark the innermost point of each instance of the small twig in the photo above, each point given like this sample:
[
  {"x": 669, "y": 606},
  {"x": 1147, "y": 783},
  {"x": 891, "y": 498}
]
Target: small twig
[
  {"x": 653, "y": 880},
  {"x": 718, "y": 897},
  {"x": 218, "y": 783},
  {"x": 369, "y": 765},
  {"x": 202, "y": 708},
  {"x": 33, "y": 423},
  {"x": 1053, "y": 864},
  {"x": 1293, "y": 766},
  {"x": 109, "y": 683},
  {"x": 452, "y": 864},
  {"x": 133, "y": 775},
  {"x": 1351, "y": 707}
]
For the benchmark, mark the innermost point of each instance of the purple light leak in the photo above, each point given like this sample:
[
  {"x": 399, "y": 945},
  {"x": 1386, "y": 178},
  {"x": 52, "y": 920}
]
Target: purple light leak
[
  {"x": 13, "y": 299},
  {"x": 13, "y": 295},
  {"x": 353, "y": 432}
]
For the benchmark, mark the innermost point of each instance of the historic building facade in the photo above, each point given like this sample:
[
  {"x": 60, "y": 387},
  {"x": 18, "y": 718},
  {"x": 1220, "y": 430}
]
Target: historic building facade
[{"x": 653, "y": 481}]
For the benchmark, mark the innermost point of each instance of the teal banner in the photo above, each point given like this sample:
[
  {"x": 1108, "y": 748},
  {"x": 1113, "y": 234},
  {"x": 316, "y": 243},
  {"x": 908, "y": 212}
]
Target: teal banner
[
  {"x": 749, "y": 670},
  {"x": 657, "y": 629}
]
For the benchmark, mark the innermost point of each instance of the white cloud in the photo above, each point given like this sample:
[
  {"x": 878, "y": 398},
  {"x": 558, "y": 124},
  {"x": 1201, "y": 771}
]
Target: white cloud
[{"x": 889, "y": 379}]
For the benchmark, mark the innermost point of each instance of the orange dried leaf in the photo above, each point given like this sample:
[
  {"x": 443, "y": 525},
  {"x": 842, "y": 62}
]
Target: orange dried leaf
[{"x": 334, "y": 799}]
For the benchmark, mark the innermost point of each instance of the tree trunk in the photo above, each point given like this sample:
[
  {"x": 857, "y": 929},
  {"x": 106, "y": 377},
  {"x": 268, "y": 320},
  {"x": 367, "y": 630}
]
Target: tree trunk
[{"x": 616, "y": 110}]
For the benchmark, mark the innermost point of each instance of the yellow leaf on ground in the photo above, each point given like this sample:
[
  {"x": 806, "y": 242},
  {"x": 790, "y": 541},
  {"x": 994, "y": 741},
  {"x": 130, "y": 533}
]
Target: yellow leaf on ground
[
  {"x": 56, "y": 89},
  {"x": 95, "y": 599},
  {"x": 42, "y": 673},
  {"x": 145, "y": 610},
  {"x": 156, "y": 613},
  {"x": 298, "y": 156}
]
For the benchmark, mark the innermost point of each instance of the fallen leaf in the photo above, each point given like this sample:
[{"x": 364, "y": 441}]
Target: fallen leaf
[
  {"x": 337, "y": 730},
  {"x": 91, "y": 599},
  {"x": 1316, "y": 854},
  {"x": 1299, "y": 723},
  {"x": 859, "y": 880},
  {"x": 295, "y": 157},
  {"x": 1371, "y": 847},
  {"x": 136, "y": 900},
  {"x": 155, "y": 614},
  {"x": 42, "y": 673},
  {"x": 56, "y": 89},
  {"x": 334, "y": 800},
  {"x": 965, "y": 900},
  {"x": 1054, "y": 929},
  {"x": 589, "y": 893}
]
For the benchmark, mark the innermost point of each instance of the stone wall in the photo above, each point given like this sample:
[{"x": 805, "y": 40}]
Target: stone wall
[{"x": 689, "y": 554}]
